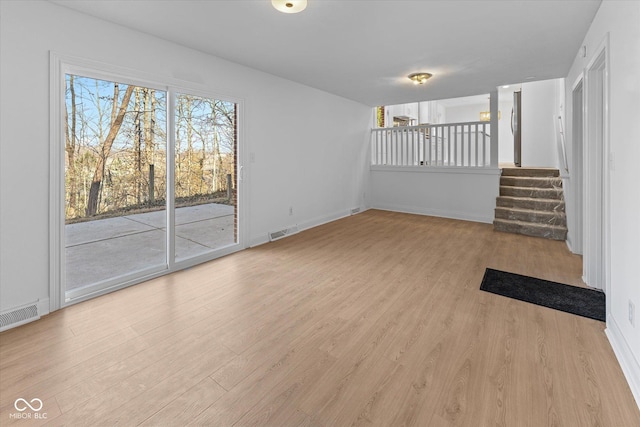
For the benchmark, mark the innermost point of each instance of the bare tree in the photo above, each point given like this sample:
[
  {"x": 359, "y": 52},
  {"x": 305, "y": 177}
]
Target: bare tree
[
  {"x": 137, "y": 145},
  {"x": 113, "y": 159},
  {"x": 117, "y": 116},
  {"x": 70, "y": 147},
  {"x": 149, "y": 121},
  {"x": 189, "y": 120}
]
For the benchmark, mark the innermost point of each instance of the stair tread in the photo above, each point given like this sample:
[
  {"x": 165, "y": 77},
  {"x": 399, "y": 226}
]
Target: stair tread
[
  {"x": 534, "y": 192},
  {"x": 514, "y": 171},
  {"x": 536, "y": 211},
  {"x": 525, "y": 179},
  {"x": 535, "y": 178},
  {"x": 531, "y": 188},
  {"x": 530, "y": 168},
  {"x": 528, "y": 181},
  {"x": 539, "y": 199},
  {"x": 529, "y": 224}
]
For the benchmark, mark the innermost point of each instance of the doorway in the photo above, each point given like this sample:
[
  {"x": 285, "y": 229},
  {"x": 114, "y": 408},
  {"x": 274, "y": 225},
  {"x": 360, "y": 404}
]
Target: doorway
[
  {"x": 596, "y": 236},
  {"x": 149, "y": 183}
]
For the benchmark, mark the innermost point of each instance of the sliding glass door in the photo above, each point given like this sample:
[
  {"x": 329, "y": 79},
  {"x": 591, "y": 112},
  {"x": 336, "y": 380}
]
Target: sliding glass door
[
  {"x": 115, "y": 182},
  {"x": 150, "y": 182},
  {"x": 205, "y": 171}
]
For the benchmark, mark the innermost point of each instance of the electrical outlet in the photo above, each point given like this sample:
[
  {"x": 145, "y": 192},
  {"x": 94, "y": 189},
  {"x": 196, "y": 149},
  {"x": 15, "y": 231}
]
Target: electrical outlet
[
  {"x": 632, "y": 313},
  {"x": 290, "y": 210}
]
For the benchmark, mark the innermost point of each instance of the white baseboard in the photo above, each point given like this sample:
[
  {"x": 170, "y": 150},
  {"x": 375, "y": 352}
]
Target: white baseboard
[
  {"x": 43, "y": 306},
  {"x": 626, "y": 359},
  {"x": 325, "y": 219},
  {"x": 305, "y": 225},
  {"x": 569, "y": 244},
  {"x": 260, "y": 240},
  {"x": 420, "y": 210}
]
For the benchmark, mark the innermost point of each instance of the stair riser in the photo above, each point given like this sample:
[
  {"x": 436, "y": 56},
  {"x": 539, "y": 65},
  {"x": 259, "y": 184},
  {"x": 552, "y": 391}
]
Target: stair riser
[
  {"x": 539, "y": 217},
  {"x": 515, "y": 181},
  {"x": 530, "y": 172},
  {"x": 547, "y": 233},
  {"x": 540, "y": 205},
  {"x": 541, "y": 193}
]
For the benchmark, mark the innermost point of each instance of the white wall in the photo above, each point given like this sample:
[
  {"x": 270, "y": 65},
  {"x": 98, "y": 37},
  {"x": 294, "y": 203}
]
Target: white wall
[
  {"x": 460, "y": 194},
  {"x": 426, "y": 113},
  {"x": 621, "y": 19},
  {"x": 540, "y": 104},
  {"x": 411, "y": 110},
  {"x": 437, "y": 113},
  {"x": 505, "y": 148},
  {"x": 465, "y": 113},
  {"x": 422, "y": 112},
  {"x": 307, "y": 155},
  {"x": 471, "y": 113}
]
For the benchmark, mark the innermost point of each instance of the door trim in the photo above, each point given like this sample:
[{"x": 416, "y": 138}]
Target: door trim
[
  {"x": 596, "y": 260},
  {"x": 578, "y": 163}
]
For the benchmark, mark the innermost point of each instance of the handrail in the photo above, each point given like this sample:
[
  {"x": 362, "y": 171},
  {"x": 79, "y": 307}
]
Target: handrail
[
  {"x": 560, "y": 141},
  {"x": 463, "y": 144},
  {"x": 431, "y": 125}
]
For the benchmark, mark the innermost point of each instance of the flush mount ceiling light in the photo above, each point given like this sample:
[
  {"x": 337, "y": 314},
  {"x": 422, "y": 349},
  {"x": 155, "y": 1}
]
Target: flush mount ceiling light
[
  {"x": 289, "y": 6},
  {"x": 419, "y": 78}
]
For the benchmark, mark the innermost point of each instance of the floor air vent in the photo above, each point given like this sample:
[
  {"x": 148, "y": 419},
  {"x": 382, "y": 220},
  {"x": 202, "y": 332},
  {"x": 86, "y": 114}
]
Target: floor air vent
[
  {"x": 18, "y": 316},
  {"x": 277, "y": 235}
]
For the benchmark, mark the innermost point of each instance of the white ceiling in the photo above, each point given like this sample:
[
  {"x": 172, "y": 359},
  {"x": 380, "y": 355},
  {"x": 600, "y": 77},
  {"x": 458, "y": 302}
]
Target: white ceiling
[{"x": 363, "y": 50}]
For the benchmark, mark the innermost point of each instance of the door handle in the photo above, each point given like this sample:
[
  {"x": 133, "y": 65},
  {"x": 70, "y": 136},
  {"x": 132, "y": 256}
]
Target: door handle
[{"x": 512, "y": 119}]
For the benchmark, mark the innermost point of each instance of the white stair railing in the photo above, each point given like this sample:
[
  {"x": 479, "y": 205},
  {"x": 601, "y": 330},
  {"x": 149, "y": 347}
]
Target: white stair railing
[{"x": 465, "y": 145}]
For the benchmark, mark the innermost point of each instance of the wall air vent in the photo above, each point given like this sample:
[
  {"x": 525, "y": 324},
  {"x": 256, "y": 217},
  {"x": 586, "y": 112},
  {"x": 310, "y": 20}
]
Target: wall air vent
[
  {"x": 277, "y": 235},
  {"x": 18, "y": 316},
  {"x": 355, "y": 211}
]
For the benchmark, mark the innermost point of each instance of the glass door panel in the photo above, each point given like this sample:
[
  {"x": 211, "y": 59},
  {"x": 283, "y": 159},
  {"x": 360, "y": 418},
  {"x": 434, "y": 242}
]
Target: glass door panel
[
  {"x": 115, "y": 183},
  {"x": 205, "y": 175}
]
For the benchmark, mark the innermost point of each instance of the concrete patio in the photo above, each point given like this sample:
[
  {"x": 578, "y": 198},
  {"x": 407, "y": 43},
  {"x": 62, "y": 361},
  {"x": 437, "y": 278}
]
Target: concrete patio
[{"x": 107, "y": 248}]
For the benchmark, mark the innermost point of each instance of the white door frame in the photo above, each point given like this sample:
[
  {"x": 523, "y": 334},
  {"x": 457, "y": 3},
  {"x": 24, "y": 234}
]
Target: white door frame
[
  {"x": 63, "y": 64},
  {"x": 577, "y": 178},
  {"x": 596, "y": 260}
]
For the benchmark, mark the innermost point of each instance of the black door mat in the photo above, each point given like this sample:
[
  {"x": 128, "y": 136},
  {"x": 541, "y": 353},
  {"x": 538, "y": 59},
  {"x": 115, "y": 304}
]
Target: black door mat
[{"x": 571, "y": 299}]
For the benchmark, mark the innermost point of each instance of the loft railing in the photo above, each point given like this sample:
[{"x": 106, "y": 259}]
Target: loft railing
[{"x": 465, "y": 145}]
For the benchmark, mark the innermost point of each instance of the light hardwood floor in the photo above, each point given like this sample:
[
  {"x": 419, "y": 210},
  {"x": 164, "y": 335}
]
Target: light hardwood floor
[{"x": 376, "y": 319}]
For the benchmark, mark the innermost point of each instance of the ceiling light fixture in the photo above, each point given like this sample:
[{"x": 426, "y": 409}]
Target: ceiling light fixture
[
  {"x": 289, "y": 6},
  {"x": 419, "y": 78}
]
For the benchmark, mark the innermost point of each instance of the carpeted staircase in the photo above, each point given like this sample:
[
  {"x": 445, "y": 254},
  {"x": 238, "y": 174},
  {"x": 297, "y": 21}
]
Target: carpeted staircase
[{"x": 531, "y": 203}]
